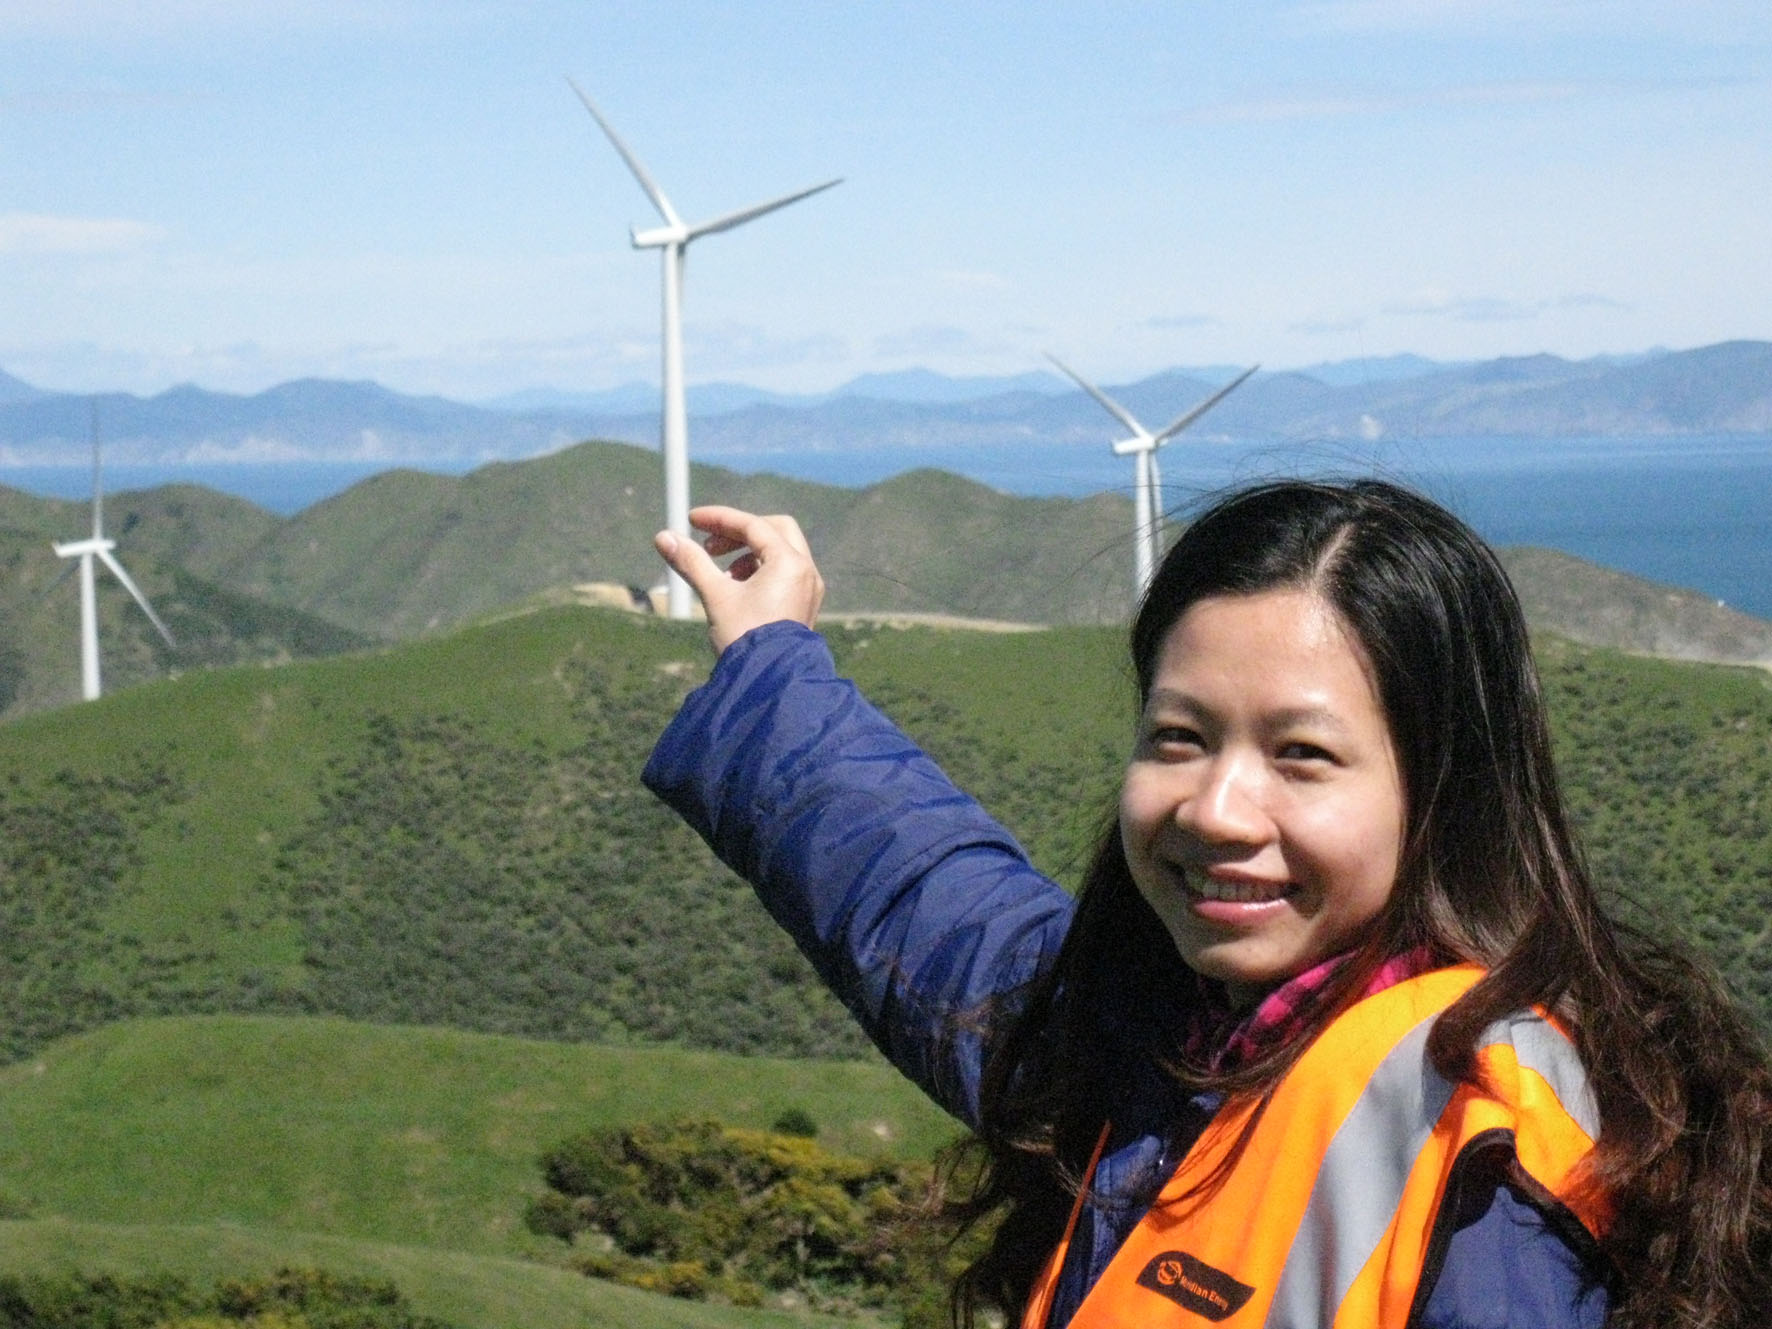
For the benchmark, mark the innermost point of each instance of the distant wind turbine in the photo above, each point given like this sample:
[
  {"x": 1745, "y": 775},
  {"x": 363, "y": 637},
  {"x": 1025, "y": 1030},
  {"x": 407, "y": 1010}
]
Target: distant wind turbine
[
  {"x": 1147, "y": 477},
  {"x": 673, "y": 238},
  {"x": 97, "y": 546}
]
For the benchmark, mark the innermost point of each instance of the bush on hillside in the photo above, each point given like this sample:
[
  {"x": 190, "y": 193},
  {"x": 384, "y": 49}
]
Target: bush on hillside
[
  {"x": 796, "y": 1121},
  {"x": 702, "y": 1210},
  {"x": 70, "y": 846},
  {"x": 288, "y": 1299}
]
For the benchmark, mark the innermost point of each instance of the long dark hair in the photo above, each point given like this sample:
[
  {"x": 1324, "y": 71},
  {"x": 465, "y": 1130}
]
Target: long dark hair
[{"x": 1490, "y": 872}]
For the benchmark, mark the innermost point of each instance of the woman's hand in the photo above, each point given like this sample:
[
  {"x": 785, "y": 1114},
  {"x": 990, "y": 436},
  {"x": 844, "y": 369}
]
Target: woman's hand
[{"x": 772, "y": 580}]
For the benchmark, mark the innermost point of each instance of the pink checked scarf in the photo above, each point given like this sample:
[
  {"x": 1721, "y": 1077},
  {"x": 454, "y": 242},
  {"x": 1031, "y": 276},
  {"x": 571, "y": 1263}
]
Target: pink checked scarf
[{"x": 1284, "y": 1011}]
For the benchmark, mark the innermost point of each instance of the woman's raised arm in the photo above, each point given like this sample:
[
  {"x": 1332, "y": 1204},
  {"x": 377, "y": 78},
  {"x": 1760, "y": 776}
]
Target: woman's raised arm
[{"x": 917, "y": 909}]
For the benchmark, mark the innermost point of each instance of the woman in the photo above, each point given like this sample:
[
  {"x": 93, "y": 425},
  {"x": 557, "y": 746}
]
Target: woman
[{"x": 1335, "y": 1032}]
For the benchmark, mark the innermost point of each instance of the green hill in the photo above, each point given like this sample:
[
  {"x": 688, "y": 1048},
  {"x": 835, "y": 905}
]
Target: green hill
[
  {"x": 452, "y": 832},
  {"x": 1601, "y": 607},
  {"x": 226, "y": 1146},
  {"x": 406, "y": 553}
]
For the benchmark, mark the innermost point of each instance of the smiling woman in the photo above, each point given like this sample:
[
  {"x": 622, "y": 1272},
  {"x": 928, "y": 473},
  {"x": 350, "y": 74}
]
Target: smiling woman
[
  {"x": 1336, "y": 1032},
  {"x": 1262, "y": 812}
]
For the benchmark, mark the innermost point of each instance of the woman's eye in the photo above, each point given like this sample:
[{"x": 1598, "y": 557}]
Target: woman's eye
[
  {"x": 1173, "y": 739},
  {"x": 1305, "y": 752}
]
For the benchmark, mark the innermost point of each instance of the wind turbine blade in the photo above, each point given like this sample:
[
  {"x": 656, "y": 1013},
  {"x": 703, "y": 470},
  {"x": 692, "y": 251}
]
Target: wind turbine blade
[
  {"x": 739, "y": 218},
  {"x": 1108, "y": 404},
  {"x": 98, "y": 491},
  {"x": 68, "y": 570},
  {"x": 647, "y": 183},
  {"x": 130, "y": 586},
  {"x": 1183, "y": 421}
]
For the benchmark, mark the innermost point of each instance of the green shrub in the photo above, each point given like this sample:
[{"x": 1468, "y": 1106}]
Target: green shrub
[
  {"x": 288, "y": 1299},
  {"x": 796, "y": 1121},
  {"x": 702, "y": 1210}
]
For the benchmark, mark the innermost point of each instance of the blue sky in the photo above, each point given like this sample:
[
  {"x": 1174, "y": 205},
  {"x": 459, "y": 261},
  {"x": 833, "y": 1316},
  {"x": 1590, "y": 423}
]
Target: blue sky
[{"x": 240, "y": 193}]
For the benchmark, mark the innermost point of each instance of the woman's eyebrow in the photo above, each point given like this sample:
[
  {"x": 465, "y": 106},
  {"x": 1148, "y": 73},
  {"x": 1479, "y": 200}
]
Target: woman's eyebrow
[
  {"x": 1306, "y": 717},
  {"x": 1171, "y": 699}
]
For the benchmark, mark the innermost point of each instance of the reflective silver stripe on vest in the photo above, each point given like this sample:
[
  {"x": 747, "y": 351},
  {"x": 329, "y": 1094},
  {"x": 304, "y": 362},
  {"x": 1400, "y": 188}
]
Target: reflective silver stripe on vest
[{"x": 1367, "y": 1164}]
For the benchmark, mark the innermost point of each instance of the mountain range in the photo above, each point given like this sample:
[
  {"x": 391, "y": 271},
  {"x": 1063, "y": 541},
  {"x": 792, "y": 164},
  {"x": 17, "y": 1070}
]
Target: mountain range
[{"x": 1713, "y": 389}]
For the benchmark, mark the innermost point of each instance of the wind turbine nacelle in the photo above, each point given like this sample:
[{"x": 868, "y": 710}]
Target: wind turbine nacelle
[
  {"x": 75, "y": 548},
  {"x": 659, "y": 237},
  {"x": 1126, "y": 447}
]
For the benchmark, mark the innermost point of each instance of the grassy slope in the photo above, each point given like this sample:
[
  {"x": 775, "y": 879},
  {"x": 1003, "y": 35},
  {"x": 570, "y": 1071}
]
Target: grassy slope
[
  {"x": 1595, "y": 605},
  {"x": 478, "y": 1291},
  {"x": 218, "y": 1145},
  {"x": 413, "y": 1136},
  {"x": 250, "y": 745}
]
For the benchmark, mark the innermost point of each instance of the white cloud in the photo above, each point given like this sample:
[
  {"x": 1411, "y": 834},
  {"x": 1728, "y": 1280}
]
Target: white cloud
[
  {"x": 1326, "y": 327},
  {"x": 1182, "y": 321},
  {"x": 975, "y": 281},
  {"x": 724, "y": 348},
  {"x": 134, "y": 20},
  {"x": 1343, "y": 103},
  {"x": 927, "y": 339},
  {"x": 1495, "y": 309},
  {"x": 38, "y": 234},
  {"x": 1691, "y": 20}
]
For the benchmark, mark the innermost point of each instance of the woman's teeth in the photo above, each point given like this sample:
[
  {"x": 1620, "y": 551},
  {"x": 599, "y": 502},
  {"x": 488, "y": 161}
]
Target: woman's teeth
[{"x": 1238, "y": 892}]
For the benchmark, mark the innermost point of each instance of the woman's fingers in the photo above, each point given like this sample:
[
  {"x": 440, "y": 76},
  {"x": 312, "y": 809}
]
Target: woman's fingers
[
  {"x": 772, "y": 579},
  {"x": 689, "y": 560}
]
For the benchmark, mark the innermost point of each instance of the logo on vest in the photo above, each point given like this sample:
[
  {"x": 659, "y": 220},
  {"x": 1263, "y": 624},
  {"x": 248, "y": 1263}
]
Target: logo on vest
[{"x": 1195, "y": 1285}]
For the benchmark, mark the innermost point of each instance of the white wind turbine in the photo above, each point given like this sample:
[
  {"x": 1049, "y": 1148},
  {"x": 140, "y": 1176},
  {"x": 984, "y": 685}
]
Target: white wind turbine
[
  {"x": 672, "y": 239},
  {"x": 97, "y": 546},
  {"x": 1148, "y": 476}
]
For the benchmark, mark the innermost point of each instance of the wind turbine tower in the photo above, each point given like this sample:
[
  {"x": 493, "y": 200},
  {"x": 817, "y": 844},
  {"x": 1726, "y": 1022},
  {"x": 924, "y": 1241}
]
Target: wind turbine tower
[
  {"x": 1147, "y": 492},
  {"x": 672, "y": 239},
  {"x": 96, "y": 546}
]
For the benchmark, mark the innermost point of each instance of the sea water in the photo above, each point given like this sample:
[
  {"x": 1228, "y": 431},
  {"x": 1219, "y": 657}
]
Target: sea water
[{"x": 1688, "y": 510}]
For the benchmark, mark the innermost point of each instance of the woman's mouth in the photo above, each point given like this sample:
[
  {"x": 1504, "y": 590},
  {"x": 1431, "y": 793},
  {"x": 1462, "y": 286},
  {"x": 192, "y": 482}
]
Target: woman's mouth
[{"x": 1236, "y": 890}]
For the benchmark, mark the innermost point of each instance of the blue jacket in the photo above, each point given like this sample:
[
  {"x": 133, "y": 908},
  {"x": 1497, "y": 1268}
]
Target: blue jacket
[{"x": 914, "y": 906}]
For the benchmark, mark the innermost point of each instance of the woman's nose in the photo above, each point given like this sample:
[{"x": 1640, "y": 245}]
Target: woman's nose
[{"x": 1227, "y": 807}]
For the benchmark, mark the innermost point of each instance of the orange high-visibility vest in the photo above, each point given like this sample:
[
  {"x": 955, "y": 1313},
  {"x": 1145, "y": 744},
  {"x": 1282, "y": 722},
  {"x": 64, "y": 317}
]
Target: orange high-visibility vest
[{"x": 1324, "y": 1219}]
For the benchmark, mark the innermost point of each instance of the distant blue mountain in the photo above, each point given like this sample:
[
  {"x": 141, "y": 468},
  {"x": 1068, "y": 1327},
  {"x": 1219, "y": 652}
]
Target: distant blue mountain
[
  {"x": 16, "y": 389},
  {"x": 1720, "y": 388},
  {"x": 906, "y": 385},
  {"x": 637, "y": 398},
  {"x": 927, "y": 387},
  {"x": 1377, "y": 369}
]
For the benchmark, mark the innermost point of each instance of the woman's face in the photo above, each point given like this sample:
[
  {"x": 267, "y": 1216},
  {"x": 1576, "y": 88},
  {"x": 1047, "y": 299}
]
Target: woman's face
[{"x": 1262, "y": 814}]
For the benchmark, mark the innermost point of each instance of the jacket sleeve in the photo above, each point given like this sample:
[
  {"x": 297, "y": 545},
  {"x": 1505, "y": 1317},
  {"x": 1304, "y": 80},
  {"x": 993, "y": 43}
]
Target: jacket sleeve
[
  {"x": 1508, "y": 1267},
  {"x": 915, "y": 907}
]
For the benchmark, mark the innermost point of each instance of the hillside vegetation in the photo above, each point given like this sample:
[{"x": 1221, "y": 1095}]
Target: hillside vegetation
[
  {"x": 453, "y": 832},
  {"x": 227, "y": 1147}
]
